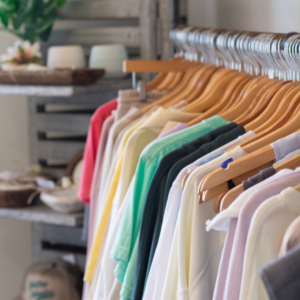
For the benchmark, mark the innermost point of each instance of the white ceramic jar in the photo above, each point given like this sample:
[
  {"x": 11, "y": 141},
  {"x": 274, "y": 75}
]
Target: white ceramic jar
[
  {"x": 110, "y": 58},
  {"x": 70, "y": 57}
]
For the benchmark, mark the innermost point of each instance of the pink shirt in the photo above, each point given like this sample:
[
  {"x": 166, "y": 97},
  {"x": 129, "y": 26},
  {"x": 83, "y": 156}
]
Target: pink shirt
[
  {"x": 227, "y": 221},
  {"x": 224, "y": 262},
  {"x": 235, "y": 270},
  {"x": 91, "y": 146}
]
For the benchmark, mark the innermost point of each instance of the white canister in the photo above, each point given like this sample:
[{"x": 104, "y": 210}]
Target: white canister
[
  {"x": 110, "y": 58},
  {"x": 70, "y": 57}
]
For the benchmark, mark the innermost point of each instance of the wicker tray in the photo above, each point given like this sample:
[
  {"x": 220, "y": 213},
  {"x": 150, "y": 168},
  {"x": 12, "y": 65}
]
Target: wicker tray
[
  {"x": 52, "y": 77},
  {"x": 12, "y": 198}
]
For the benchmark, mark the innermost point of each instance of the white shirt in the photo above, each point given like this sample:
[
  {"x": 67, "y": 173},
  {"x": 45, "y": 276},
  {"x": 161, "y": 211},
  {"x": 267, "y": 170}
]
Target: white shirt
[
  {"x": 198, "y": 252},
  {"x": 157, "y": 273},
  {"x": 267, "y": 229},
  {"x": 103, "y": 282},
  {"x": 109, "y": 160}
]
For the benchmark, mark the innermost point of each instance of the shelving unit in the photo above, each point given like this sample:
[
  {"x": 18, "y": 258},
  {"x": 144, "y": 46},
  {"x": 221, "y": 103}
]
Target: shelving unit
[
  {"x": 143, "y": 27},
  {"x": 55, "y": 234}
]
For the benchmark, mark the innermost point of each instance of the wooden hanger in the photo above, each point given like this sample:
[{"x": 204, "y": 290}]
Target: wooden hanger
[
  {"x": 223, "y": 188},
  {"x": 191, "y": 85},
  {"x": 292, "y": 163},
  {"x": 161, "y": 76},
  {"x": 283, "y": 127},
  {"x": 217, "y": 206},
  {"x": 280, "y": 116},
  {"x": 270, "y": 110},
  {"x": 229, "y": 197},
  {"x": 164, "y": 85},
  {"x": 258, "y": 101},
  {"x": 262, "y": 104},
  {"x": 263, "y": 156},
  {"x": 236, "y": 99},
  {"x": 281, "y": 120},
  {"x": 297, "y": 188},
  {"x": 185, "y": 80},
  {"x": 239, "y": 90},
  {"x": 212, "y": 193},
  {"x": 238, "y": 167},
  {"x": 156, "y": 81},
  {"x": 295, "y": 112},
  {"x": 199, "y": 88},
  {"x": 260, "y": 152},
  {"x": 254, "y": 80},
  {"x": 276, "y": 120},
  {"x": 237, "y": 93},
  {"x": 233, "y": 90},
  {"x": 175, "y": 81},
  {"x": 212, "y": 93},
  {"x": 239, "y": 109},
  {"x": 204, "y": 80},
  {"x": 283, "y": 106},
  {"x": 261, "y": 159},
  {"x": 252, "y": 105}
]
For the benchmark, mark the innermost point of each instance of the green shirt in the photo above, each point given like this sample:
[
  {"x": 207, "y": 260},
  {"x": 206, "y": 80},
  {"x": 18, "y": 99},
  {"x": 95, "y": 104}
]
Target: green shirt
[{"x": 125, "y": 245}]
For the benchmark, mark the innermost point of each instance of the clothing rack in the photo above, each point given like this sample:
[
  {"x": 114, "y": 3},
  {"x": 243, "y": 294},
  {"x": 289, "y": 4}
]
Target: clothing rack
[
  {"x": 160, "y": 204},
  {"x": 260, "y": 53}
]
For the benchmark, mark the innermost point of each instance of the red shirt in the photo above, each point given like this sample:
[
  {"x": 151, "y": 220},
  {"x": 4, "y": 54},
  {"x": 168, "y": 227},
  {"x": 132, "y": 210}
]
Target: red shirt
[{"x": 90, "y": 151}]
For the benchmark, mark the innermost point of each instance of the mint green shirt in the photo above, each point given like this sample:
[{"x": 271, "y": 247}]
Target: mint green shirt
[{"x": 125, "y": 245}]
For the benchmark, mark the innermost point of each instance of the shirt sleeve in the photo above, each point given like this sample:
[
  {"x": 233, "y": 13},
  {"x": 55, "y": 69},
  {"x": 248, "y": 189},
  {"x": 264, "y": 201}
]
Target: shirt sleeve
[
  {"x": 91, "y": 146},
  {"x": 129, "y": 228}
]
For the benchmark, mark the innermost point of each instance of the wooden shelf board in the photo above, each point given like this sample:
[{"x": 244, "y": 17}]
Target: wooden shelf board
[
  {"x": 64, "y": 91},
  {"x": 40, "y": 213}
]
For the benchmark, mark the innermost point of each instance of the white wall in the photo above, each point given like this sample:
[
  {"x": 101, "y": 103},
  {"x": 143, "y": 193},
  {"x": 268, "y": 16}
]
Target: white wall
[
  {"x": 15, "y": 256},
  {"x": 15, "y": 236},
  {"x": 202, "y": 12},
  {"x": 267, "y": 15}
]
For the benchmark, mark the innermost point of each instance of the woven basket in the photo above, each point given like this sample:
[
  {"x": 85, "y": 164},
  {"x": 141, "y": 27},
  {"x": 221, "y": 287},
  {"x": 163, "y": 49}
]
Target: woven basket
[{"x": 16, "y": 198}]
